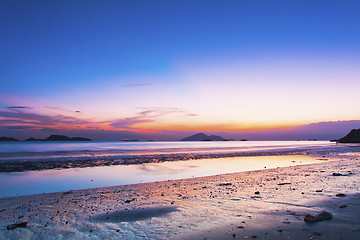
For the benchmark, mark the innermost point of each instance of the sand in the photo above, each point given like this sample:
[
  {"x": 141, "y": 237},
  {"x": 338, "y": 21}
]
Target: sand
[{"x": 264, "y": 204}]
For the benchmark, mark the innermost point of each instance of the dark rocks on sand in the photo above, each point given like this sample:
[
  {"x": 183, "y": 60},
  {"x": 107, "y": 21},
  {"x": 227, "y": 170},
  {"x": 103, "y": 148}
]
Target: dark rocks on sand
[
  {"x": 283, "y": 183},
  {"x": 17, "y": 225},
  {"x": 324, "y": 215},
  {"x": 225, "y": 184},
  {"x": 337, "y": 174},
  {"x": 351, "y": 137},
  {"x": 340, "y": 195}
]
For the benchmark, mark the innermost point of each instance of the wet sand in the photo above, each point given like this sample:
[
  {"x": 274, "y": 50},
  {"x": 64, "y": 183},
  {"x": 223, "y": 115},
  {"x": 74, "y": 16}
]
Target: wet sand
[{"x": 264, "y": 204}]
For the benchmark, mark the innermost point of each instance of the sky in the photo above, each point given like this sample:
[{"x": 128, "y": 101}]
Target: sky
[{"x": 165, "y": 69}]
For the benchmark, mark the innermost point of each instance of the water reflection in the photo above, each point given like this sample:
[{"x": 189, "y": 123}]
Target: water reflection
[{"x": 34, "y": 182}]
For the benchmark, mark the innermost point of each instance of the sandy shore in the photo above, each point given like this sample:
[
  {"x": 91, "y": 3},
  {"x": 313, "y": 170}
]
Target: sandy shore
[{"x": 265, "y": 204}]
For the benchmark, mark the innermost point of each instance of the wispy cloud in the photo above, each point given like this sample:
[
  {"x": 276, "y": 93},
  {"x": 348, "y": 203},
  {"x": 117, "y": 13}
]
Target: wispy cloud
[
  {"x": 147, "y": 115},
  {"x": 17, "y": 118},
  {"x": 23, "y": 118},
  {"x": 18, "y": 107}
]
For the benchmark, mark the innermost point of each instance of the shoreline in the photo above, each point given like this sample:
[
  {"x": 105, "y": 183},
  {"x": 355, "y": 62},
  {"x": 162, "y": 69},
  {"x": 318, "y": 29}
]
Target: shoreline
[
  {"x": 111, "y": 159},
  {"x": 267, "y": 204}
]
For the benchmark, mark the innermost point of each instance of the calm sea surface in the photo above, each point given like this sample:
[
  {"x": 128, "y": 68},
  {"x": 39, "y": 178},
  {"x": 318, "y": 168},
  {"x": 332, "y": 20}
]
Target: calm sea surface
[
  {"x": 25, "y": 149},
  {"x": 44, "y": 181}
]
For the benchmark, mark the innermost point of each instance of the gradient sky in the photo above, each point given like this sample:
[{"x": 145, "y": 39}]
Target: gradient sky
[{"x": 174, "y": 67}]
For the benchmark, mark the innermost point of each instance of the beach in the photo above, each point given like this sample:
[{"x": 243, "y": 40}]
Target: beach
[{"x": 262, "y": 204}]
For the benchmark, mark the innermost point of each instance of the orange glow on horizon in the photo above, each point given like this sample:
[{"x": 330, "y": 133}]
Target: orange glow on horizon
[{"x": 212, "y": 127}]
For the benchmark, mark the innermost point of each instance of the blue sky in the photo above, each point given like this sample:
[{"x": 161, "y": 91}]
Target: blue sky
[{"x": 157, "y": 66}]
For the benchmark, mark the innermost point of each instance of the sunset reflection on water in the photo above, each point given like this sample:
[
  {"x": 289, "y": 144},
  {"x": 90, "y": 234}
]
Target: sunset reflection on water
[{"x": 35, "y": 182}]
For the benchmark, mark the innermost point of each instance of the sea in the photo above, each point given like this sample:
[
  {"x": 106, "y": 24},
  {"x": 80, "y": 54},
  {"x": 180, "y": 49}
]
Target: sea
[{"x": 217, "y": 157}]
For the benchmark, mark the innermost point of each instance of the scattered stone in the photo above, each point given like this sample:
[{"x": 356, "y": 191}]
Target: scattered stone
[
  {"x": 340, "y": 195},
  {"x": 234, "y": 235},
  {"x": 286, "y": 183},
  {"x": 337, "y": 174},
  {"x": 129, "y": 201},
  {"x": 324, "y": 215},
  {"x": 240, "y": 227},
  {"x": 257, "y": 192},
  {"x": 319, "y": 190},
  {"x": 225, "y": 184},
  {"x": 343, "y": 206},
  {"x": 17, "y": 225}
]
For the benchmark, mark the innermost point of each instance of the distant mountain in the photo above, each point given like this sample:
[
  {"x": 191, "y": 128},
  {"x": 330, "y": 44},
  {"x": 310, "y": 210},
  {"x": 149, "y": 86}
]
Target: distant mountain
[
  {"x": 5, "y": 139},
  {"x": 33, "y": 139},
  {"x": 59, "y": 138},
  {"x": 351, "y": 137},
  {"x": 203, "y": 137},
  {"x": 65, "y": 138}
]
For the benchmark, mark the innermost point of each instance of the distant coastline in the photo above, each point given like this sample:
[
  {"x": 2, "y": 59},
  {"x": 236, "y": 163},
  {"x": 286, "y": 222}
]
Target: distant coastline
[{"x": 51, "y": 138}]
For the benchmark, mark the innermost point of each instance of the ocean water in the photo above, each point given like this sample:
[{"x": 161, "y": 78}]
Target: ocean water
[
  {"x": 16, "y": 150},
  {"x": 53, "y": 180}
]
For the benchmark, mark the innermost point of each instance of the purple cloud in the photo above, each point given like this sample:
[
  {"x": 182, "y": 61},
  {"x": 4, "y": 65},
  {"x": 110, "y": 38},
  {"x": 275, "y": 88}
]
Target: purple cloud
[
  {"x": 146, "y": 116},
  {"x": 18, "y": 107}
]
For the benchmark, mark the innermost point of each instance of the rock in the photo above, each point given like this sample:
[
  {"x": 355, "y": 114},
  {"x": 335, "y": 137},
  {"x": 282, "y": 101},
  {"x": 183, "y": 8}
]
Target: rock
[
  {"x": 257, "y": 192},
  {"x": 352, "y": 137},
  {"x": 343, "y": 206},
  {"x": 337, "y": 174},
  {"x": 17, "y": 225},
  {"x": 310, "y": 218},
  {"x": 324, "y": 215},
  {"x": 225, "y": 184},
  {"x": 129, "y": 201},
  {"x": 340, "y": 195},
  {"x": 286, "y": 183}
]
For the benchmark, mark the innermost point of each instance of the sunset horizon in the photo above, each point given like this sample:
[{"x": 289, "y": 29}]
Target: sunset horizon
[
  {"x": 176, "y": 69},
  {"x": 188, "y": 119}
]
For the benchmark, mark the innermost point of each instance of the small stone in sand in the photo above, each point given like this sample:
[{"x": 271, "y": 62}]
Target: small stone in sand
[
  {"x": 17, "y": 225},
  {"x": 340, "y": 195},
  {"x": 286, "y": 183},
  {"x": 324, "y": 215},
  {"x": 337, "y": 174},
  {"x": 225, "y": 184},
  {"x": 257, "y": 192}
]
